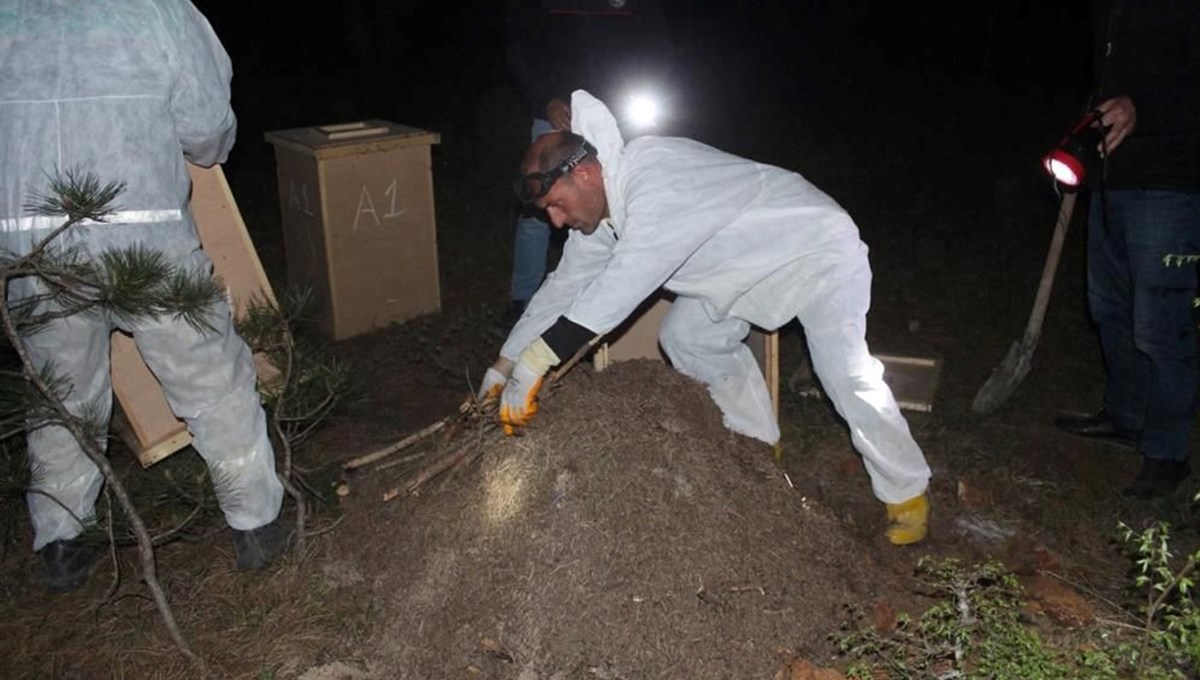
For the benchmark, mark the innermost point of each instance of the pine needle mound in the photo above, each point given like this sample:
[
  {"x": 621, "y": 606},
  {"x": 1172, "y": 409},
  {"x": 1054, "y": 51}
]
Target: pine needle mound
[{"x": 626, "y": 535}]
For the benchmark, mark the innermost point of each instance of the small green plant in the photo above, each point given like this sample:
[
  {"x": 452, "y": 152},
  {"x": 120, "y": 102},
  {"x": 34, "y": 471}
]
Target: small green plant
[
  {"x": 1163, "y": 642},
  {"x": 973, "y": 631},
  {"x": 1170, "y": 618}
]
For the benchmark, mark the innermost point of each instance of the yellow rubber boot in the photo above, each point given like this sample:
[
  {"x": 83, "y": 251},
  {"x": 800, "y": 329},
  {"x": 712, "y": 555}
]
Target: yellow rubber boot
[{"x": 909, "y": 520}]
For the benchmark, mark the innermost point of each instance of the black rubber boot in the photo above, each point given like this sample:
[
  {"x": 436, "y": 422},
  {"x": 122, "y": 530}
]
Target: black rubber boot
[
  {"x": 67, "y": 563},
  {"x": 258, "y": 548}
]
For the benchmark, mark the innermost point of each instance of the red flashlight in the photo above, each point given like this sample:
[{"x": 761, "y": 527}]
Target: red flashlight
[{"x": 1067, "y": 162}]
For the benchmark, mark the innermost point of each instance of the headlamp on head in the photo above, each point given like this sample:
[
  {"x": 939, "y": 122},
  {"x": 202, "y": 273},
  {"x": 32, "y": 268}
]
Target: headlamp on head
[{"x": 535, "y": 185}]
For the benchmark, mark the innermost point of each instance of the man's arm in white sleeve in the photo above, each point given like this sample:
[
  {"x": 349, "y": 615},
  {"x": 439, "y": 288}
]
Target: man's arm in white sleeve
[{"x": 584, "y": 258}]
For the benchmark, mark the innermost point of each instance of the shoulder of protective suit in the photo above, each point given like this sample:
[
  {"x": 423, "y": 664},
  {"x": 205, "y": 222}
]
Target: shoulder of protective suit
[{"x": 674, "y": 151}]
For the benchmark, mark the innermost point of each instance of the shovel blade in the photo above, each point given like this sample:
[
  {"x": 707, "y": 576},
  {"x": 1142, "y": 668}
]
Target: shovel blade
[{"x": 1005, "y": 379}]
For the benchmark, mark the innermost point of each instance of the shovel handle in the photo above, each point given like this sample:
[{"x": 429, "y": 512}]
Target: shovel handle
[{"x": 1065, "y": 210}]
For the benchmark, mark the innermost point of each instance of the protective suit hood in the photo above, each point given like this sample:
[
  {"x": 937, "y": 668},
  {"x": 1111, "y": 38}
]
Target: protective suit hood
[{"x": 592, "y": 120}]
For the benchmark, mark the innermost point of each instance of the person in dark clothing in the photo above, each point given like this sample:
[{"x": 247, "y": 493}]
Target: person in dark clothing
[
  {"x": 1144, "y": 221},
  {"x": 615, "y": 49}
]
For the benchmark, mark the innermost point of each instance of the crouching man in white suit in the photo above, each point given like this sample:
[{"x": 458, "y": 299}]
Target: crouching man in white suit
[{"x": 739, "y": 243}]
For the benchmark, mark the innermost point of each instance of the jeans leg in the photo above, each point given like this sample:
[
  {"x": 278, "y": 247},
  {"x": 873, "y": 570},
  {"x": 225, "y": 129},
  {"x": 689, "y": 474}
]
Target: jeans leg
[
  {"x": 1110, "y": 299},
  {"x": 1149, "y": 339},
  {"x": 529, "y": 256},
  {"x": 531, "y": 243}
]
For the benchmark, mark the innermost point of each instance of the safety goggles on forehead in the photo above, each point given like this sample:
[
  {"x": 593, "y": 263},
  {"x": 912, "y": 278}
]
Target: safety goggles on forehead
[{"x": 535, "y": 185}]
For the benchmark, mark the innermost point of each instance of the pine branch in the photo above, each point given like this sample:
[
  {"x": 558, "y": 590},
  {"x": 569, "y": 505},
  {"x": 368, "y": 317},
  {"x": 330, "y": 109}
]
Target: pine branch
[
  {"x": 71, "y": 280},
  {"x": 131, "y": 282},
  {"x": 93, "y": 452},
  {"x": 307, "y": 390},
  {"x": 112, "y": 545},
  {"x": 22, "y": 407},
  {"x": 139, "y": 282},
  {"x": 285, "y": 477},
  {"x": 190, "y": 297},
  {"x": 76, "y": 194},
  {"x": 79, "y": 196},
  {"x": 54, "y": 499}
]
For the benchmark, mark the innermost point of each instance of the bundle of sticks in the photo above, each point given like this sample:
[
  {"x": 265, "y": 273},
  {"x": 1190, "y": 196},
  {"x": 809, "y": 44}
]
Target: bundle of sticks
[{"x": 453, "y": 442}]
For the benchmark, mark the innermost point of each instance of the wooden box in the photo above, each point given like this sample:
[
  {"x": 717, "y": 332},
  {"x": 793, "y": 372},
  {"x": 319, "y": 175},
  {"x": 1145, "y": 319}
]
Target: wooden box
[
  {"x": 356, "y": 202},
  {"x": 142, "y": 417}
]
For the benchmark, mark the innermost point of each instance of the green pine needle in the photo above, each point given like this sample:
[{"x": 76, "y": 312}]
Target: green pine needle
[
  {"x": 22, "y": 406},
  {"x": 77, "y": 194},
  {"x": 318, "y": 382},
  {"x": 131, "y": 281},
  {"x": 190, "y": 296}
]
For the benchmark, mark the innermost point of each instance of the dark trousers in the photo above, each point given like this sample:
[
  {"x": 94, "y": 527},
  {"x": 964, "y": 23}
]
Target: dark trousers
[{"x": 1141, "y": 287}]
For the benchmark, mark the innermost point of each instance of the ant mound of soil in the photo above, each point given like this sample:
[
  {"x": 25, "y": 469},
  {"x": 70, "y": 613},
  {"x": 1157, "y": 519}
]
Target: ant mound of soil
[{"x": 627, "y": 534}]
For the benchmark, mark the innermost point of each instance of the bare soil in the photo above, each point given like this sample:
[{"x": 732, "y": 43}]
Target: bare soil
[{"x": 631, "y": 535}]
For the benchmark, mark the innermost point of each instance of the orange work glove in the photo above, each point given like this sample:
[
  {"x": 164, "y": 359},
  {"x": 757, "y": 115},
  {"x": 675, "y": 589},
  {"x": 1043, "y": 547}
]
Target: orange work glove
[
  {"x": 518, "y": 401},
  {"x": 493, "y": 383}
]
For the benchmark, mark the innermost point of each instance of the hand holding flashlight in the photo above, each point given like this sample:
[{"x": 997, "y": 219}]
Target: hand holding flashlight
[{"x": 1119, "y": 116}]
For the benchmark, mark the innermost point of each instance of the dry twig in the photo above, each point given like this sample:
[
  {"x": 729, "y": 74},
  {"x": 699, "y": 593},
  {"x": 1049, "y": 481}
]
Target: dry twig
[
  {"x": 286, "y": 476},
  {"x": 390, "y": 449},
  {"x": 436, "y": 468},
  {"x": 474, "y": 415}
]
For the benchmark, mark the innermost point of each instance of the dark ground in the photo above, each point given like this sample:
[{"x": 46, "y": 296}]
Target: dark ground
[{"x": 583, "y": 549}]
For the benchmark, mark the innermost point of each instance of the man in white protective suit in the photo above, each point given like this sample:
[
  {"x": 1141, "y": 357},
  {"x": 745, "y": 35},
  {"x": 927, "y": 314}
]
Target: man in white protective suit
[
  {"x": 739, "y": 243},
  {"x": 128, "y": 90}
]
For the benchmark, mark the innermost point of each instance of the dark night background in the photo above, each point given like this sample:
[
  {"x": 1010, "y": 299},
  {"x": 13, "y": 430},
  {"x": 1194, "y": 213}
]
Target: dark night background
[
  {"x": 926, "y": 124},
  {"x": 988, "y": 74}
]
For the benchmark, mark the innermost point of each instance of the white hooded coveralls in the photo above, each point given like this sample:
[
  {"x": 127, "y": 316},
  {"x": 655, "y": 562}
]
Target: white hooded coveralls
[
  {"x": 125, "y": 89},
  {"x": 739, "y": 243}
]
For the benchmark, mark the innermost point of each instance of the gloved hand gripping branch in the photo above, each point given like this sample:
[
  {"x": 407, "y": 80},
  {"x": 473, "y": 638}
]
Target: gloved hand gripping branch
[
  {"x": 493, "y": 381},
  {"x": 518, "y": 401}
]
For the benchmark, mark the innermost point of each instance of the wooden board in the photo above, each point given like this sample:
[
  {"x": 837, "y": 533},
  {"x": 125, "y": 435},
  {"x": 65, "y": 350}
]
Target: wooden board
[
  {"x": 637, "y": 338},
  {"x": 331, "y": 141},
  {"x": 144, "y": 419},
  {"x": 913, "y": 381}
]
